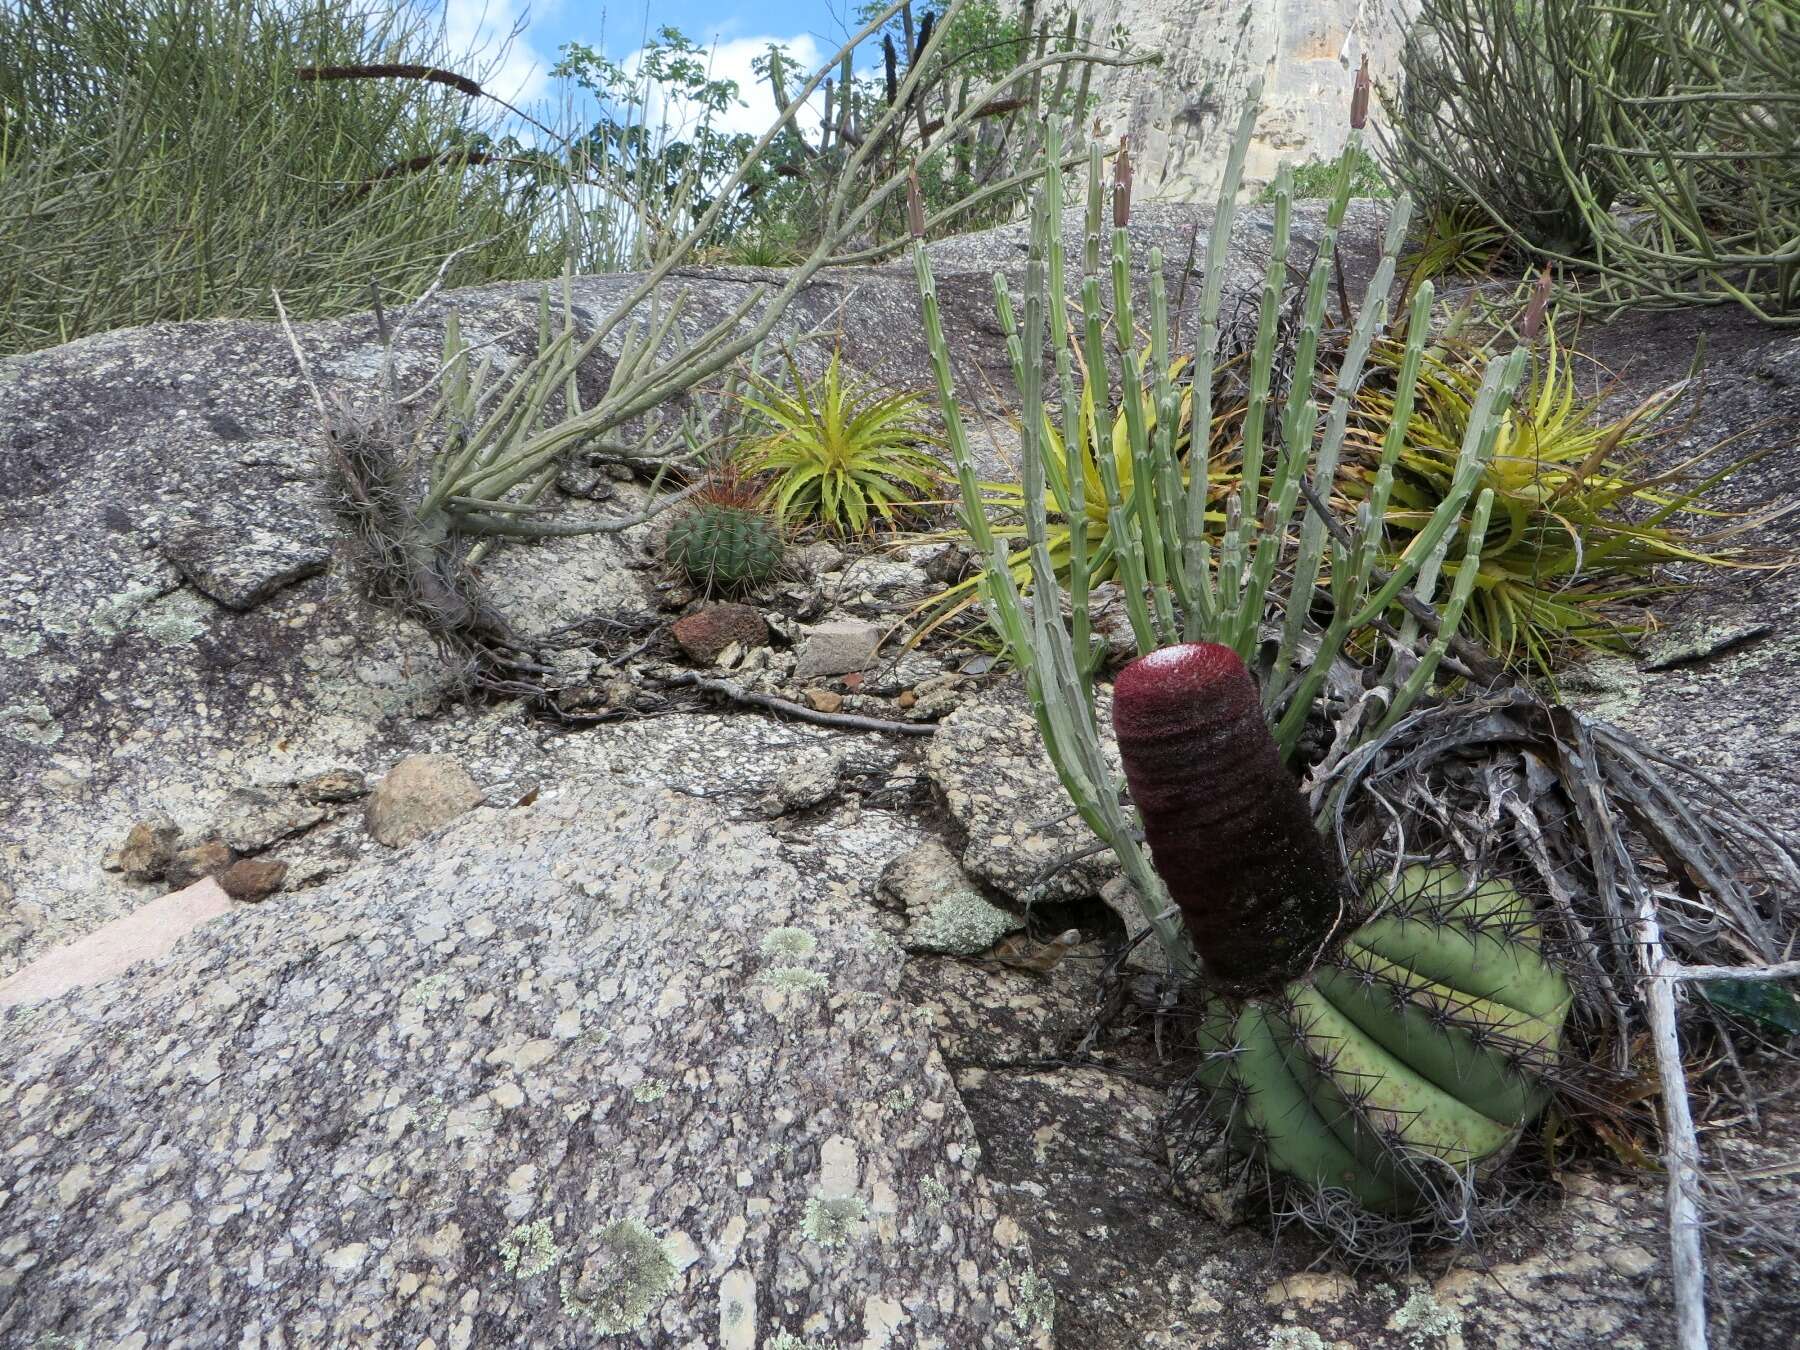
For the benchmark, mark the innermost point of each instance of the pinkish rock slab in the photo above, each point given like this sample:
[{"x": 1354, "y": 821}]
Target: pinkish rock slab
[{"x": 148, "y": 931}]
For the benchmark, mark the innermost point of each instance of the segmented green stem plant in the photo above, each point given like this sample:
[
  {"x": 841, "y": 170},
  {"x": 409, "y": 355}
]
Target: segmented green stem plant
[
  {"x": 1175, "y": 588},
  {"x": 1654, "y": 150},
  {"x": 506, "y": 435}
]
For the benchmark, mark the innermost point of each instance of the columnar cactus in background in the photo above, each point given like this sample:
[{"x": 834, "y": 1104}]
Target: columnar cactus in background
[
  {"x": 1344, "y": 1055},
  {"x": 1350, "y": 1058}
]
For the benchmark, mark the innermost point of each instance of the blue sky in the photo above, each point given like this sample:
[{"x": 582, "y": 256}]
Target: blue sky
[{"x": 736, "y": 31}]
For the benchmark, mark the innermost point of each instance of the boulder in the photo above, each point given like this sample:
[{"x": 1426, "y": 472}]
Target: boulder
[
  {"x": 1021, "y": 835},
  {"x": 419, "y": 794},
  {"x": 510, "y": 1090},
  {"x": 205, "y": 859},
  {"x": 148, "y": 849},
  {"x": 806, "y": 782}
]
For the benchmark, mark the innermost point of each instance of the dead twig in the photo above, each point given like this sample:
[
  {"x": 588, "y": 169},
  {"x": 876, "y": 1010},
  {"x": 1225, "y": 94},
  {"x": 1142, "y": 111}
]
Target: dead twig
[{"x": 848, "y": 721}]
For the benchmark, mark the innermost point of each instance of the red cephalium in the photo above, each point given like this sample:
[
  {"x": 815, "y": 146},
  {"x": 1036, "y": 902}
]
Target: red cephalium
[{"x": 1227, "y": 826}]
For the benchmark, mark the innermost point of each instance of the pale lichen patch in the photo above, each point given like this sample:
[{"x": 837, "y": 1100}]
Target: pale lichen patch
[
  {"x": 626, "y": 1275},
  {"x": 1424, "y": 1320},
  {"x": 961, "y": 924},
  {"x": 426, "y": 990},
  {"x": 795, "y": 980},
  {"x": 832, "y": 1221},
  {"x": 1294, "y": 1338},
  {"x": 529, "y": 1250},
  {"x": 789, "y": 944},
  {"x": 1036, "y": 1305},
  {"x": 32, "y": 723}
]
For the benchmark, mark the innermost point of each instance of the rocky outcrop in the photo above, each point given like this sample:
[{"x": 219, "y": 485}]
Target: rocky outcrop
[
  {"x": 511, "y": 1088},
  {"x": 170, "y": 646},
  {"x": 1180, "y": 113},
  {"x": 626, "y": 1053}
]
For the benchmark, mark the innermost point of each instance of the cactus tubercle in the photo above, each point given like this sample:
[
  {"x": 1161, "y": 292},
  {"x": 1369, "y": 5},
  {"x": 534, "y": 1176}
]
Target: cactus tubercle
[{"x": 1228, "y": 829}]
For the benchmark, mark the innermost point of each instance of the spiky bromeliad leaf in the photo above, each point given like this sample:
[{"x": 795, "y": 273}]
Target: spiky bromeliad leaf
[
  {"x": 840, "y": 452},
  {"x": 1580, "y": 525}
]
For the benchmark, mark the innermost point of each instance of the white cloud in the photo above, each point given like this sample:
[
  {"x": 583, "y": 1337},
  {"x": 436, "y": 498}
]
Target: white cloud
[
  {"x": 480, "y": 34},
  {"x": 731, "y": 59}
]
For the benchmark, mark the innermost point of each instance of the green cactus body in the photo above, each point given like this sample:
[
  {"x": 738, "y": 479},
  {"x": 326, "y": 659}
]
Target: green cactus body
[
  {"x": 1424, "y": 1039},
  {"x": 725, "y": 548}
]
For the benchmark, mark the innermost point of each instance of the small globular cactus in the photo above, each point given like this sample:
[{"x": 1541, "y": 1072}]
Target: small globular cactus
[
  {"x": 721, "y": 547},
  {"x": 1360, "y": 1057}
]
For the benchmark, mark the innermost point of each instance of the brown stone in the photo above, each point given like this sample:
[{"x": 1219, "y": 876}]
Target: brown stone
[
  {"x": 907, "y": 698},
  {"x": 202, "y": 860},
  {"x": 253, "y": 879},
  {"x": 823, "y": 700},
  {"x": 147, "y": 849},
  {"x": 419, "y": 794},
  {"x": 707, "y": 632}
]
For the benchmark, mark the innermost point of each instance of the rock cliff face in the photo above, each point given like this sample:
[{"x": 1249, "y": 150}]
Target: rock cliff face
[{"x": 1179, "y": 113}]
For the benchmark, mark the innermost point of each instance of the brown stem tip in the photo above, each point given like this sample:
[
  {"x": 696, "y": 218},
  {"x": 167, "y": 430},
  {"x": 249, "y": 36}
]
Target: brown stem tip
[{"x": 1227, "y": 827}]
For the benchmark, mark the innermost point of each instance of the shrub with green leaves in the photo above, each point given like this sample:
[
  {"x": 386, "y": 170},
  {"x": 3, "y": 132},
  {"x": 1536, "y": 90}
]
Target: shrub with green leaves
[
  {"x": 1004, "y": 501},
  {"x": 1652, "y": 150},
  {"x": 1179, "y": 583}
]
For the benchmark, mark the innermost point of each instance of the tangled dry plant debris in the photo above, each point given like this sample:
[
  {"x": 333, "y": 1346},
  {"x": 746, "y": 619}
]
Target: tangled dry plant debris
[{"x": 1660, "y": 880}]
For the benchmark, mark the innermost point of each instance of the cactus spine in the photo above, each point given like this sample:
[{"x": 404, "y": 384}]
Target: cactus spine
[{"x": 720, "y": 547}]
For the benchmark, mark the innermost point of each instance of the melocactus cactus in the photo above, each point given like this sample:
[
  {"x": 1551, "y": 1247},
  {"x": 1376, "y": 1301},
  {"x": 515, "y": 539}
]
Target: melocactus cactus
[
  {"x": 724, "y": 547},
  {"x": 1347, "y": 1057},
  {"x": 1227, "y": 828}
]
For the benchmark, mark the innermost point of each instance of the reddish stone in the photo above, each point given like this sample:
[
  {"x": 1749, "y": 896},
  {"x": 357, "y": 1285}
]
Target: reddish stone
[
  {"x": 709, "y": 630},
  {"x": 253, "y": 879}
]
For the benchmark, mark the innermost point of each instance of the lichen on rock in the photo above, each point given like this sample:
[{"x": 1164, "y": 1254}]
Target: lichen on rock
[
  {"x": 961, "y": 924},
  {"x": 789, "y": 944},
  {"x": 833, "y": 1221},
  {"x": 529, "y": 1250},
  {"x": 623, "y": 1278}
]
